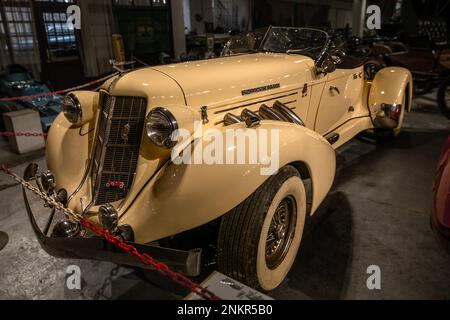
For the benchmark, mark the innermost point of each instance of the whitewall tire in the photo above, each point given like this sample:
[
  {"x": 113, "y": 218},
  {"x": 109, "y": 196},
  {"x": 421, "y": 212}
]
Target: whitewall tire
[{"x": 259, "y": 239}]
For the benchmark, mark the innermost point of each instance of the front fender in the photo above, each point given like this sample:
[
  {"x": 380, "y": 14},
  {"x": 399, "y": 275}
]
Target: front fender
[
  {"x": 389, "y": 87},
  {"x": 67, "y": 152},
  {"x": 182, "y": 197}
]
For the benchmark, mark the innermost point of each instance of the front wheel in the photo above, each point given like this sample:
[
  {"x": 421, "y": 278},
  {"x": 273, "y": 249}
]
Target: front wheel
[
  {"x": 443, "y": 97},
  {"x": 259, "y": 239}
]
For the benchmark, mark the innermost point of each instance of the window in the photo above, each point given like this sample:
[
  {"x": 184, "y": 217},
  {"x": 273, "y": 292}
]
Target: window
[
  {"x": 19, "y": 24},
  {"x": 17, "y": 38},
  {"x": 56, "y": 1},
  {"x": 61, "y": 40},
  {"x": 142, "y": 3}
]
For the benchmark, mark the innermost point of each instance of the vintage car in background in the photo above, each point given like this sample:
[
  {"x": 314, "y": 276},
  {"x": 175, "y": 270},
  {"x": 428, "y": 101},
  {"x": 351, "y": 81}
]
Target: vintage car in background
[
  {"x": 425, "y": 52},
  {"x": 440, "y": 211},
  {"x": 426, "y": 64},
  {"x": 16, "y": 81},
  {"x": 112, "y": 155},
  {"x": 443, "y": 96},
  {"x": 430, "y": 66}
]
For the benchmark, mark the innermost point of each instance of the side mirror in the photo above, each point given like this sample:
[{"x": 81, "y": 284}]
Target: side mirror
[
  {"x": 328, "y": 66},
  {"x": 337, "y": 56}
]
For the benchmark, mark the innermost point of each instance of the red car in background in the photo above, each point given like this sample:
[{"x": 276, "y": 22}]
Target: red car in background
[{"x": 440, "y": 214}]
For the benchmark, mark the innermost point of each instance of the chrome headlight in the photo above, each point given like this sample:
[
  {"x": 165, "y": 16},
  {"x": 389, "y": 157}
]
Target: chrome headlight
[
  {"x": 161, "y": 127},
  {"x": 71, "y": 108},
  {"x": 48, "y": 182},
  {"x": 108, "y": 217}
]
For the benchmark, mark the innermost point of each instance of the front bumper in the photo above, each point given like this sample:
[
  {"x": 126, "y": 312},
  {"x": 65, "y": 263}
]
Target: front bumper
[{"x": 95, "y": 248}]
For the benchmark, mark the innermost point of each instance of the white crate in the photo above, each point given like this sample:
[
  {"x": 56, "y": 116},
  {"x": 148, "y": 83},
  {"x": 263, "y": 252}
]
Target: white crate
[{"x": 25, "y": 120}]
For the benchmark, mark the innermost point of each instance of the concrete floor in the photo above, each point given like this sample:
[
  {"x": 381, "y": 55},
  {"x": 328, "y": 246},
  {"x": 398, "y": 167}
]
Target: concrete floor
[{"x": 376, "y": 214}]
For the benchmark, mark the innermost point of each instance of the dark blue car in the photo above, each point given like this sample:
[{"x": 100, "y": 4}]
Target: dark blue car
[{"x": 16, "y": 81}]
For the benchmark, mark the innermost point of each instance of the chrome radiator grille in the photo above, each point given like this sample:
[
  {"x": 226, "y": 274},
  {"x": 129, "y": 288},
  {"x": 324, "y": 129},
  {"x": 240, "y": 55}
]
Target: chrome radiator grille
[{"x": 121, "y": 121}]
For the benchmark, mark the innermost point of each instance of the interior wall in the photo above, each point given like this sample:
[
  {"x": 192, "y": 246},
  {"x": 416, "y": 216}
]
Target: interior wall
[
  {"x": 232, "y": 14},
  {"x": 340, "y": 14},
  {"x": 187, "y": 15},
  {"x": 24, "y": 50},
  {"x": 302, "y": 13},
  {"x": 201, "y": 12},
  {"x": 179, "y": 39},
  {"x": 96, "y": 21}
]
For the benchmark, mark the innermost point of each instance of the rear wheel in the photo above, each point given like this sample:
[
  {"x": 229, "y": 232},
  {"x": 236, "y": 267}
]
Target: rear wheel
[
  {"x": 443, "y": 97},
  {"x": 259, "y": 239},
  {"x": 423, "y": 84}
]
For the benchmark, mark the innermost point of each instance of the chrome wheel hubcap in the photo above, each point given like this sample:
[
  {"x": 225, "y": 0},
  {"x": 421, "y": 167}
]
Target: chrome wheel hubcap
[{"x": 281, "y": 232}]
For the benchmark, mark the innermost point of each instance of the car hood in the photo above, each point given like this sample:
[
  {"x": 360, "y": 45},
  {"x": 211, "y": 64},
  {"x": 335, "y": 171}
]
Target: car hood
[{"x": 218, "y": 81}]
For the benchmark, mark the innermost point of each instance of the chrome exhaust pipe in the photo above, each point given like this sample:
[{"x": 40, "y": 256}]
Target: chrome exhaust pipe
[
  {"x": 251, "y": 119},
  {"x": 230, "y": 119},
  {"x": 287, "y": 113},
  {"x": 270, "y": 114}
]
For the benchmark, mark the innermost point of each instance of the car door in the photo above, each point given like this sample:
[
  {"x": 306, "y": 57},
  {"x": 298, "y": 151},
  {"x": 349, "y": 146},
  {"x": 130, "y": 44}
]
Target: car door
[{"x": 342, "y": 90}]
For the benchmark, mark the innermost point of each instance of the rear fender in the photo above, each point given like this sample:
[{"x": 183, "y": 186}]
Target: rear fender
[
  {"x": 181, "y": 197},
  {"x": 389, "y": 86}
]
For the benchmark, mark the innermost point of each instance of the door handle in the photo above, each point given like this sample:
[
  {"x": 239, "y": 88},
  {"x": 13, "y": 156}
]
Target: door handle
[{"x": 332, "y": 88}]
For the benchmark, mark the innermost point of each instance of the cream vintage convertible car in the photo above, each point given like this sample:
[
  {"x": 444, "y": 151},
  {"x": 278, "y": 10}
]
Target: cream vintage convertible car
[{"x": 113, "y": 155}]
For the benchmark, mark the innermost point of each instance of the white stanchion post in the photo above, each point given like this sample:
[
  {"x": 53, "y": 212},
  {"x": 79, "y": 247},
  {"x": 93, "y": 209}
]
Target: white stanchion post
[{"x": 228, "y": 289}]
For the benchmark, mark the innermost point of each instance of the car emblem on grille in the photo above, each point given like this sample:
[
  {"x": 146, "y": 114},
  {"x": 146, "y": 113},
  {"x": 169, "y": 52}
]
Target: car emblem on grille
[
  {"x": 115, "y": 184},
  {"x": 124, "y": 133}
]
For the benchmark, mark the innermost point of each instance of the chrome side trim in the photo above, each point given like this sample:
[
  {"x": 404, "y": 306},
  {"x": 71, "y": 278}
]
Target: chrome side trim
[
  {"x": 256, "y": 102},
  {"x": 260, "y": 89}
]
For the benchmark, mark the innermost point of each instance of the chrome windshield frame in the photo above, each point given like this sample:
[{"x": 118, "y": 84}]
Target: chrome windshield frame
[{"x": 318, "y": 60}]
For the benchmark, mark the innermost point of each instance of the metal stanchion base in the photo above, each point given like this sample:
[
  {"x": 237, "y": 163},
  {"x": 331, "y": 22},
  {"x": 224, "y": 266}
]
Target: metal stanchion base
[
  {"x": 3, "y": 239},
  {"x": 228, "y": 289}
]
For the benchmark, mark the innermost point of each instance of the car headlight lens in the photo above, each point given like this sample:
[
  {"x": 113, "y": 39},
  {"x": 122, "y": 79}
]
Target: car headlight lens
[
  {"x": 108, "y": 217},
  {"x": 71, "y": 108},
  {"x": 48, "y": 182},
  {"x": 161, "y": 128}
]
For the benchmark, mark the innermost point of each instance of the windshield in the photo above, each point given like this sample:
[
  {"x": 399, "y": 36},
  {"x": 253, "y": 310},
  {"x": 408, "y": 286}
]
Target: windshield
[
  {"x": 245, "y": 42},
  {"x": 309, "y": 42}
]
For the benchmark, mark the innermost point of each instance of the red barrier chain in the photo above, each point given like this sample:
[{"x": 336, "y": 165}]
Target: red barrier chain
[
  {"x": 22, "y": 134},
  {"x": 147, "y": 260},
  {"x": 5, "y": 170}
]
